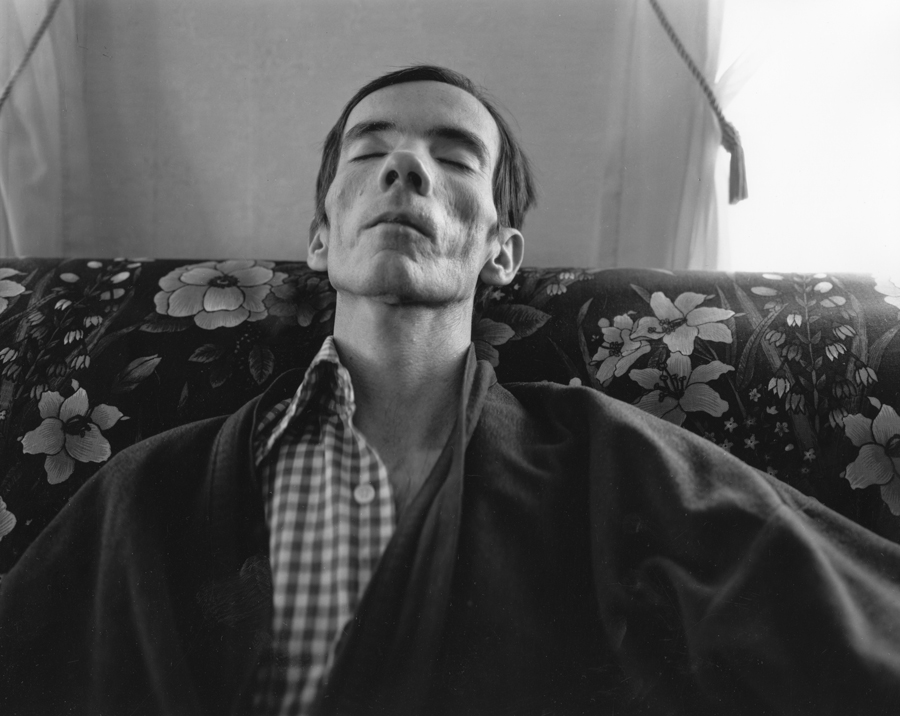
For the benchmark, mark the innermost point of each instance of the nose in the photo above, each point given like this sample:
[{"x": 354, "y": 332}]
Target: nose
[{"x": 405, "y": 168}]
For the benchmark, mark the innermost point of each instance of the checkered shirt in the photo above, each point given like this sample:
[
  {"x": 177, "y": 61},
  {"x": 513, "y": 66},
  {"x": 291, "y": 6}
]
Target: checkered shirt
[{"x": 330, "y": 513}]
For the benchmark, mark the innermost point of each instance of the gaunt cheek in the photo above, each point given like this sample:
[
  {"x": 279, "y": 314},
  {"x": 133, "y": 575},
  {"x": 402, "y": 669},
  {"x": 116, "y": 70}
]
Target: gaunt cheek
[
  {"x": 343, "y": 195},
  {"x": 471, "y": 206}
]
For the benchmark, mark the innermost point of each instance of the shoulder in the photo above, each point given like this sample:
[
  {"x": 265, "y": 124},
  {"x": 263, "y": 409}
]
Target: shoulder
[
  {"x": 137, "y": 493},
  {"x": 157, "y": 480},
  {"x": 625, "y": 445},
  {"x": 179, "y": 456},
  {"x": 168, "y": 446},
  {"x": 158, "y": 475},
  {"x": 583, "y": 409},
  {"x": 167, "y": 457},
  {"x": 606, "y": 421}
]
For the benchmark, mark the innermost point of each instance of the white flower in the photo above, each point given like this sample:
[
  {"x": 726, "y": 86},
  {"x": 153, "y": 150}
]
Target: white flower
[
  {"x": 890, "y": 287},
  {"x": 878, "y": 461},
  {"x": 8, "y": 288},
  {"x": 7, "y": 520},
  {"x": 219, "y": 294},
  {"x": 618, "y": 351},
  {"x": 70, "y": 432},
  {"x": 679, "y": 323},
  {"x": 680, "y": 390}
]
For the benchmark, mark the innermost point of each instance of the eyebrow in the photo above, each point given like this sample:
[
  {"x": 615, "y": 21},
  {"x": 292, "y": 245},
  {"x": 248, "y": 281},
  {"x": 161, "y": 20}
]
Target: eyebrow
[
  {"x": 364, "y": 129},
  {"x": 458, "y": 135}
]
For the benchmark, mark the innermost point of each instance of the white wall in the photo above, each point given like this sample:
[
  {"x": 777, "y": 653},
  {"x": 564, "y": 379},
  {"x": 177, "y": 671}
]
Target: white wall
[{"x": 205, "y": 117}]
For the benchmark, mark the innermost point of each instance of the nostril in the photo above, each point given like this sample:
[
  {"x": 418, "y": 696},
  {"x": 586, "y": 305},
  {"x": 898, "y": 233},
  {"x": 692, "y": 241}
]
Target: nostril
[{"x": 410, "y": 178}]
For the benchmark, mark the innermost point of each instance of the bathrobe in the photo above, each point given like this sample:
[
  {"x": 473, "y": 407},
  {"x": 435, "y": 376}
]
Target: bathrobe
[{"x": 568, "y": 554}]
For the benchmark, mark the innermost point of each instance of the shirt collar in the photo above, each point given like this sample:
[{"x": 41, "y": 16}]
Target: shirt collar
[{"x": 326, "y": 384}]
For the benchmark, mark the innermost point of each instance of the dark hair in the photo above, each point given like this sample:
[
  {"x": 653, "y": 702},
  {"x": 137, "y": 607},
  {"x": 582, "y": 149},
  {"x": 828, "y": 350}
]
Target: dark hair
[{"x": 514, "y": 190}]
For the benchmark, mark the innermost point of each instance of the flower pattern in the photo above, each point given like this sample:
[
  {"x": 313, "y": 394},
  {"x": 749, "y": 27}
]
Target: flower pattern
[
  {"x": 878, "y": 461},
  {"x": 890, "y": 287},
  {"x": 618, "y": 352},
  {"x": 218, "y": 294},
  {"x": 8, "y": 288},
  {"x": 7, "y": 520},
  {"x": 304, "y": 297},
  {"x": 70, "y": 432},
  {"x": 486, "y": 335},
  {"x": 681, "y": 322},
  {"x": 679, "y": 390}
]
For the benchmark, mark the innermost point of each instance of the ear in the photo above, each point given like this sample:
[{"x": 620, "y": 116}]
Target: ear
[
  {"x": 505, "y": 259},
  {"x": 317, "y": 256}
]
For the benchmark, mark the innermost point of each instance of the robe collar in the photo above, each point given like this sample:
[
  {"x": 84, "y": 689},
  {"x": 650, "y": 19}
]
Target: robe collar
[{"x": 385, "y": 656}]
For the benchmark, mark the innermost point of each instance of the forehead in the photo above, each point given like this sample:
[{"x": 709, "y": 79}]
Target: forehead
[{"x": 415, "y": 107}]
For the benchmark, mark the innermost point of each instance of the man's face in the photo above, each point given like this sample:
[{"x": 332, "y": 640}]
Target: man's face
[{"x": 411, "y": 210}]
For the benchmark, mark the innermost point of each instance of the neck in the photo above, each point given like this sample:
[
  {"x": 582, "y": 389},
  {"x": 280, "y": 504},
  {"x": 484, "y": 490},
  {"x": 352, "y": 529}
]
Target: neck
[
  {"x": 407, "y": 365},
  {"x": 397, "y": 350}
]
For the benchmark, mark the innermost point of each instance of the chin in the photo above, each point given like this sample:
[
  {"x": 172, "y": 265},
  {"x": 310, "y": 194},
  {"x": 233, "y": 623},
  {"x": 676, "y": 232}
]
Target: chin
[{"x": 403, "y": 282}]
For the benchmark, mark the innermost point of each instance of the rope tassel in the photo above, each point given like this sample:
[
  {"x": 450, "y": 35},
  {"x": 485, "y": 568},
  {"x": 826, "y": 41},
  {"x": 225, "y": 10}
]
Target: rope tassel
[
  {"x": 737, "y": 178},
  {"x": 731, "y": 140}
]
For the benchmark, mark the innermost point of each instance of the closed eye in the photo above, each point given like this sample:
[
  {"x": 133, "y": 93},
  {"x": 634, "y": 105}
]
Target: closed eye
[
  {"x": 372, "y": 155},
  {"x": 459, "y": 165}
]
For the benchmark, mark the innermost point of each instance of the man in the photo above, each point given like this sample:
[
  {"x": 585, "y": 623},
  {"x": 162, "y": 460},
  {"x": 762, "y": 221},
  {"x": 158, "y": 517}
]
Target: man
[{"x": 390, "y": 531}]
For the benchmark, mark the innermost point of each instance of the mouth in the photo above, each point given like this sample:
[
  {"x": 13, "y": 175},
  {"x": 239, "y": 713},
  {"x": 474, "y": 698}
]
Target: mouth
[{"x": 403, "y": 219}]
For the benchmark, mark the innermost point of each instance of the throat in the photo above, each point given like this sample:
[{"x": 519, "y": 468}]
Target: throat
[
  {"x": 409, "y": 434},
  {"x": 409, "y": 474},
  {"x": 407, "y": 388}
]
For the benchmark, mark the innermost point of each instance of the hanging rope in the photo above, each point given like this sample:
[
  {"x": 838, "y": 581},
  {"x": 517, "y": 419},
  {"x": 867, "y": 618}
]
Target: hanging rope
[
  {"x": 42, "y": 29},
  {"x": 731, "y": 140}
]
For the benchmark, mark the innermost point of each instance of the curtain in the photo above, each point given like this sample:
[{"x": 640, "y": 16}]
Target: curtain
[
  {"x": 750, "y": 30},
  {"x": 658, "y": 205},
  {"x": 656, "y": 138},
  {"x": 44, "y": 182}
]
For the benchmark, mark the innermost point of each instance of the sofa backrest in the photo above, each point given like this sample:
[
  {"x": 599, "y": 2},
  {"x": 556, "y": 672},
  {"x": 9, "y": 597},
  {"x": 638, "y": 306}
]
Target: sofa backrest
[{"x": 796, "y": 374}]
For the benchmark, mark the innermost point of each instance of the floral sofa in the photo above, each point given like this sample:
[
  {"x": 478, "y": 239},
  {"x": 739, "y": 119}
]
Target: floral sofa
[{"x": 797, "y": 375}]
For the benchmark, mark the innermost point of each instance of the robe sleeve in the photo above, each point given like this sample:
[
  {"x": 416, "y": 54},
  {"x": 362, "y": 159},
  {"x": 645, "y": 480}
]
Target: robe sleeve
[{"x": 726, "y": 591}]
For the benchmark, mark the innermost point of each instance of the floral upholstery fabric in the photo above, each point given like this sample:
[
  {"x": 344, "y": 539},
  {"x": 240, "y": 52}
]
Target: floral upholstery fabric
[{"x": 796, "y": 374}]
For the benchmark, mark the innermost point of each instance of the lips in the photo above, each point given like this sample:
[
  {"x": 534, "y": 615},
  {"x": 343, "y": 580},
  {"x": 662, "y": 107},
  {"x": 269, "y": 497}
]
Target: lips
[{"x": 403, "y": 218}]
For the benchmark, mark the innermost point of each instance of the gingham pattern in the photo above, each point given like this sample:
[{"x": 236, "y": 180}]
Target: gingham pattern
[{"x": 324, "y": 545}]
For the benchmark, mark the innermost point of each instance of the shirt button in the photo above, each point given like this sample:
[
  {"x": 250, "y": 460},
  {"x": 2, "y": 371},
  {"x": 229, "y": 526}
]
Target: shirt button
[{"x": 364, "y": 494}]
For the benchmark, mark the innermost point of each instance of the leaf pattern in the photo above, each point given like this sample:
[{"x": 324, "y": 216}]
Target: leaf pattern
[
  {"x": 262, "y": 362},
  {"x": 136, "y": 371},
  {"x": 793, "y": 373}
]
